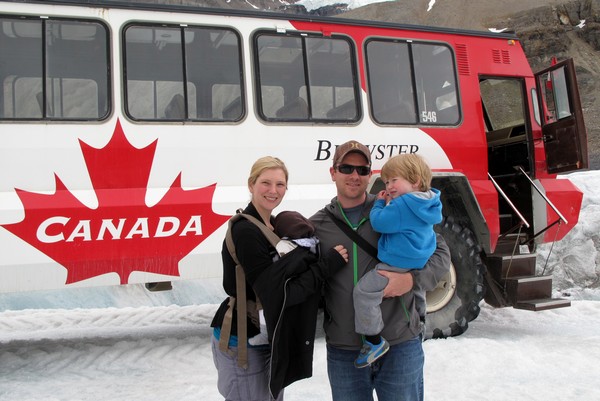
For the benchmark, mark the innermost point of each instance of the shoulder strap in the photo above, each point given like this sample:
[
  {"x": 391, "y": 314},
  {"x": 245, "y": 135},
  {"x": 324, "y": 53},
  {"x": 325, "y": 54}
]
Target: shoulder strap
[
  {"x": 269, "y": 235},
  {"x": 240, "y": 284},
  {"x": 353, "y": 235}
]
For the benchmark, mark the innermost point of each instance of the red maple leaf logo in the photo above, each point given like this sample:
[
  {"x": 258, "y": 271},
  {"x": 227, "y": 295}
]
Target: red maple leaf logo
[{"x": 122, "y": 234}]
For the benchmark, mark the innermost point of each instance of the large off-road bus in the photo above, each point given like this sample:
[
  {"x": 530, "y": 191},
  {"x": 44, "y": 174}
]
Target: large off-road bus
[{"x": 127, "y": 131}]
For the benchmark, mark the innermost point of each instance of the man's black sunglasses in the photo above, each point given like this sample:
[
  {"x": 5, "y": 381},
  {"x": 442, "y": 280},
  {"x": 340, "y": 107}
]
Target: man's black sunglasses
[{"x": 349, "y": 169}]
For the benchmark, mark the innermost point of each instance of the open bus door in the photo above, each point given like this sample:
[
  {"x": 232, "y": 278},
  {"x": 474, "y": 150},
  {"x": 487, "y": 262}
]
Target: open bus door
[{"x": 562, "y": 123}]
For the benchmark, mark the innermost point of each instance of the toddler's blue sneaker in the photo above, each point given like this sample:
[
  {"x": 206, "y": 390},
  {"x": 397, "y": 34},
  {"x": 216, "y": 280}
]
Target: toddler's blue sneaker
[{"x": 369, "y": 353}]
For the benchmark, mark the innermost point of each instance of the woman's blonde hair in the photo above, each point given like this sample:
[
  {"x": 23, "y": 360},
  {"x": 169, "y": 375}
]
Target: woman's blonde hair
[
  {"x": 265, "y": 163},
  {"x": 412, "y": 167}
]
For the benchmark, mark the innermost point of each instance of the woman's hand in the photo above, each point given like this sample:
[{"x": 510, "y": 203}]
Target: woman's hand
[
  {"x": 399, "y": 283},
  {"x": 342, "y": 251}
]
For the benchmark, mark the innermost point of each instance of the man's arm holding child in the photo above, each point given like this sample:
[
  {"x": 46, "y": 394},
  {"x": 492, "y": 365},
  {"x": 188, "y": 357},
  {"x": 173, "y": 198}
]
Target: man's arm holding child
[{"x": 426, "y": 279}]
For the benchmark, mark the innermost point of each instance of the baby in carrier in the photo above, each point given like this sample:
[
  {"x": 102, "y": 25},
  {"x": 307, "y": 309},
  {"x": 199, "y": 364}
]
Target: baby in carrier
[{"x": 294, "y": 230}]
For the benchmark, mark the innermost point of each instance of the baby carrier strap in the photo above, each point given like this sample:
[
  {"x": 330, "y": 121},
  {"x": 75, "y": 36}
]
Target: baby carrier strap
[{"x": 244, "y": 307}]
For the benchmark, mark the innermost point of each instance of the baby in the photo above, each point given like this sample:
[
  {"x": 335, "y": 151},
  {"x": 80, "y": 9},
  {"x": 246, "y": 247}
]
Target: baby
[{"x": 294, "y": 230}]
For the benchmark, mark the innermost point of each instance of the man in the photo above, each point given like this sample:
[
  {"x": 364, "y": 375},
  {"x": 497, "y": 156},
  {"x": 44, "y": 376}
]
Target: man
[{"x": 397, "y": 375}]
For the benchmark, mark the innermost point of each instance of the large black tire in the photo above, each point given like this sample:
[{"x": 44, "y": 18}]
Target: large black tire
[{"x": 455, "y": 302}]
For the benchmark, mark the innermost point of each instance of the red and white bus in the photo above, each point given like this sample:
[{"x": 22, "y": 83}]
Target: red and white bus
[{"x": 127, "y": 131}]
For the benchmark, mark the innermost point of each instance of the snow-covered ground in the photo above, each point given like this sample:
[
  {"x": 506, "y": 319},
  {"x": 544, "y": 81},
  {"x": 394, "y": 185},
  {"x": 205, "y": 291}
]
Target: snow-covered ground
[
  {"x": 124, "y": 343},
  {"x": 163, "y": 353}
]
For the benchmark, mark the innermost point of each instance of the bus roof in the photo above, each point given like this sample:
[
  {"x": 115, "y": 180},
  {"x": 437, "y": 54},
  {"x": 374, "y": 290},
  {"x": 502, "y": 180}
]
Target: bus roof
[{"x": 190, "y": 8}]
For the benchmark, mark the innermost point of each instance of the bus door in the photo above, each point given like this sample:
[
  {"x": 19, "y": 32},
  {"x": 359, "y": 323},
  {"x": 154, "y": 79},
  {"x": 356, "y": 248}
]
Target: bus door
[
  {"x": 563, "y": 129},
  {"x": 510, "y": 146}
]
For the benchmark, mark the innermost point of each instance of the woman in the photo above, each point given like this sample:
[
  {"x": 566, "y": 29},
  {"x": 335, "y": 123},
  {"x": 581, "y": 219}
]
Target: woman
[{"x": 299, "y": 274}]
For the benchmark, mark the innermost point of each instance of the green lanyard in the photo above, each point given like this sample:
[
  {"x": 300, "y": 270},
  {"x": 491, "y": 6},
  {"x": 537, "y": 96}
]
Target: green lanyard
[{"x": 354, "y": 246}]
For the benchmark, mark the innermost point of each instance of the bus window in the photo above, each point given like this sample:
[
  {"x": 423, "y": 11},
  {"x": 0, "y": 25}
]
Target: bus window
[
  {"x": 182, "y": 73},
  {"x": 53, "y": 70},
  {"x": 154, "y": 78},
  {"x": 304, "y": 78},
  {"x": 390, "y": 82},
  {"x": 412, "y": 83},
  {"x": 331, "y": 79},
  {"x": 436, "y": 84},
  {"x": 555, "y": 96},
  {"x": 536, "y": 106},
  {"x": 214, "y": 68},
  {"x": 502, "y": 99}
]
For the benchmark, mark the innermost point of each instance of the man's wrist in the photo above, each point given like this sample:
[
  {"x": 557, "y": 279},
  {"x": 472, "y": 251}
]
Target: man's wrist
[{"x": 414, "y": 280}]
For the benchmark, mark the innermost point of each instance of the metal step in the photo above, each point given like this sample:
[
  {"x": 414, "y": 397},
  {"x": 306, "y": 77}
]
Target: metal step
[
  {"x": 506, "y": 245},
  {"x": 521, "y": 289},
  {"x": 503, "y": 267},
  {"x": 537, "y": 305},
  {"x": 511, "y": 281},
  {"x": 506, "y": 248}
]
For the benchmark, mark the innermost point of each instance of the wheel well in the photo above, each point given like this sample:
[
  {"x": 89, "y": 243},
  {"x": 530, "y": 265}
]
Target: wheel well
[{"x": 458, "y": 201}]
